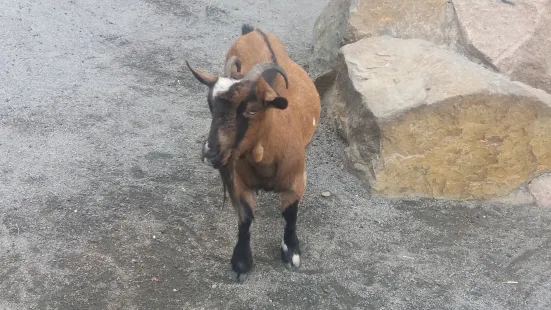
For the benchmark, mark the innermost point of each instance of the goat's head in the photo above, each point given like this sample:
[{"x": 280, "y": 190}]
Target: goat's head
[{"x": 236, "y": 104}]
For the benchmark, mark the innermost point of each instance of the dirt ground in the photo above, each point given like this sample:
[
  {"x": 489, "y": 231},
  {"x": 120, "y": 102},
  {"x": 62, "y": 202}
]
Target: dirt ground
[{"x": 105, "y": 204}]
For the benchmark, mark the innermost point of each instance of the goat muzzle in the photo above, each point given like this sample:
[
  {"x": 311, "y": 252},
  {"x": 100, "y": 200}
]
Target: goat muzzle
[{"x": 212, "y": 157}]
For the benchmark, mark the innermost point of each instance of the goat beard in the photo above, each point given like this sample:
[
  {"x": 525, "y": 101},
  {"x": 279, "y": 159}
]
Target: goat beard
[{"x": 226, "y": 174}]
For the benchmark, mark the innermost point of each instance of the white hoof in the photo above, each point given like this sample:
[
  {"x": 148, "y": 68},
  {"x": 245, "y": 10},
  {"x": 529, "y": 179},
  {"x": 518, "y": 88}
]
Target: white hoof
[
  {"x": 284, "y": 247},
  {"x": 296, "y": 260}
]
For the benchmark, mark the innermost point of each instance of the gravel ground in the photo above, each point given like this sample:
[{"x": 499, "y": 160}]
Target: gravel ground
[{"x": 104, "y": 203}]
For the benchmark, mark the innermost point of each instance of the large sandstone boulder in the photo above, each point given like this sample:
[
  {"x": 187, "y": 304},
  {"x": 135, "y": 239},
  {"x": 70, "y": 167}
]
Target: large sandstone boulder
[
  {"x": 424, "y": 121},
  {"x": 540, "y": 189},
  {"x": 328, "y": 34},
  {"x": 347, "y": 21},
  {"x": 514, "y": 39}
]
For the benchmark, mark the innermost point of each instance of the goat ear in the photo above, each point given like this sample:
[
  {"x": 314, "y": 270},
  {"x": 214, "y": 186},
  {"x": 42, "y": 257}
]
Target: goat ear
[
  {"x": 203, "y": 77},
  {"x": 278, "y": 102},
  {"x": 272, "y": 99}
]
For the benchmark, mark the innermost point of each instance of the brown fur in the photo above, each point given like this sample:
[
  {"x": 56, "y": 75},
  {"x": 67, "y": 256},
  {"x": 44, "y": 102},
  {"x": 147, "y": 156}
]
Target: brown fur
[{"x": 283, "y": 135}]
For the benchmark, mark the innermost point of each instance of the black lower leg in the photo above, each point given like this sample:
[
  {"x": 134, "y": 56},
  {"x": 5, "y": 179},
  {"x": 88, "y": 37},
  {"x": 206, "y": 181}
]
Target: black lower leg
[
  {"x": 290, "y": 246},
  {"x": 242, "y": 259}
]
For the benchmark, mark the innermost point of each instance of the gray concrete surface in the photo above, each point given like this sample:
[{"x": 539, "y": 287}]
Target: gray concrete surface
[{"x": 104, "y": 203}]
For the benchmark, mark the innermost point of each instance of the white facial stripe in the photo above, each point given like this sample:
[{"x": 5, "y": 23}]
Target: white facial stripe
[{"x": 222, "y": 85}]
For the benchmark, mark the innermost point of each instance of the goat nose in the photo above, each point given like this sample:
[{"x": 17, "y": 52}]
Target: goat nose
[{"x": 210, "y": 156}]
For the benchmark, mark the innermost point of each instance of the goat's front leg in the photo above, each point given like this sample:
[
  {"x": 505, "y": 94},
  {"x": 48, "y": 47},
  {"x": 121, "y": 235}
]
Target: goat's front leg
[{"x": 242, "y": 258}]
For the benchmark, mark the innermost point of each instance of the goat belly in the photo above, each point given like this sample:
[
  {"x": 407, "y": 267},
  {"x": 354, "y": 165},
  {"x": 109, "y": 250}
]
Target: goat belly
[
  {"x": 259, "y": 176},
  {"x": 265, "y": 177},
  {"x": 263, "y": 171}
]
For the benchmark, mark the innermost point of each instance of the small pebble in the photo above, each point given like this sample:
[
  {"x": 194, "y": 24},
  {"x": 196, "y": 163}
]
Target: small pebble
[
  {"x": 174, "y": 290},
  {"x": 76, "y": 210},
  {"x": 213, "y": 286},
  {"x": 154, "y": 236},
  {"x": 326, "y": 194}
]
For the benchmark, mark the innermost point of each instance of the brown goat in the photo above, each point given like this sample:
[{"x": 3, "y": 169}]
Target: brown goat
[{"x": 262, "y": 123}]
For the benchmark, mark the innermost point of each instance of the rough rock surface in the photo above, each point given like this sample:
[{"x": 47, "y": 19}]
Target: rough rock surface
[
  {"x": 540, "y": 188},
  {"x": 345, "y": 21},
  {"x": 424, "y": 121},
  {"x": 514, "y": 39},
  {"x": 520, "y": 196},
  {"x": 431, "y": 20},
  {"x": 328, "y": 34}
]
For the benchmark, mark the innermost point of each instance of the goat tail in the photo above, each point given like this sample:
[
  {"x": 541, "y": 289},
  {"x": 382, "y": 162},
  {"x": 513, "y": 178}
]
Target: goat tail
[{"x": 246, "y": 28}]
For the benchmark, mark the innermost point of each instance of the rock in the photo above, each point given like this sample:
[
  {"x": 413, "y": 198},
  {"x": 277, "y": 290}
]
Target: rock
[
  {"x": 511, "y": 39},
  {"x": 424, "y": 121},
  {"x": 430, "y": 20},
  {"x": 519, "y": 196},
  {"x": 514, "y": 39},
  {"x": 329, "y": 30},
  {"x": 345, "y": 21},
  {"x": 540, "y": 188},
  {"x": 326, "y": 194}
]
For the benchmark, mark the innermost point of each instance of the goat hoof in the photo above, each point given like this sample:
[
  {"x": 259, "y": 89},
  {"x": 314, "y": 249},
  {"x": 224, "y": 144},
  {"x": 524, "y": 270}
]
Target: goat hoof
[
  {"x": 290, "y": 256},
  {"x": 238, "y": 277},
  {"x": 242, "y": 261}
]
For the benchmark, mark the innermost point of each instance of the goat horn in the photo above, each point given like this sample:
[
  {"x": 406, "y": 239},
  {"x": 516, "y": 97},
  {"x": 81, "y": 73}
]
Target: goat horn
[
  {"x": 259, "y": 69},
  {"x": 229, "y": 64},
  {"x": 203, "y": 77}
]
